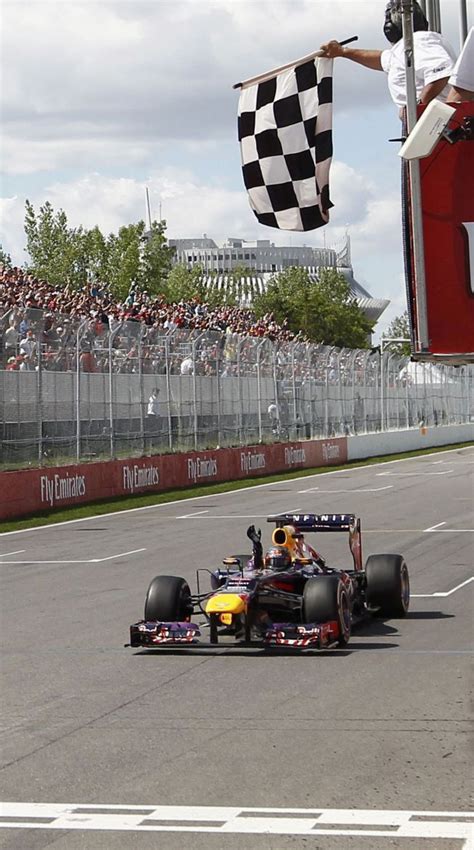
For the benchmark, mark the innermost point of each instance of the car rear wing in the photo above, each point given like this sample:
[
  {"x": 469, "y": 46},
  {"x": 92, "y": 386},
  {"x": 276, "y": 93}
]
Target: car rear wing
[
  {"x": 303, "y": 523},
  {"x": 315, "y": 522}
]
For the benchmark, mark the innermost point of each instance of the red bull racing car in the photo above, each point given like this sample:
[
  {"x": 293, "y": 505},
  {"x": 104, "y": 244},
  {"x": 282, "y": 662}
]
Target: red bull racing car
[{"x": 288, "y": 596}]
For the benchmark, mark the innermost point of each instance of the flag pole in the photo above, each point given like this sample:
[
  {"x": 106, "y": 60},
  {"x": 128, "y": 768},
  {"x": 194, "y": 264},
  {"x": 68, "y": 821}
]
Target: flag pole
[{"x": 261, "y": 78}]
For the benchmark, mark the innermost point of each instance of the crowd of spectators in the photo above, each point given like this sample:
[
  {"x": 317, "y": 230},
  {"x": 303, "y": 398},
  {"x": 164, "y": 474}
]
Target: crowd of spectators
[
  {"x": 20, "y": 289},
  {"x": 145, "y": 333}
]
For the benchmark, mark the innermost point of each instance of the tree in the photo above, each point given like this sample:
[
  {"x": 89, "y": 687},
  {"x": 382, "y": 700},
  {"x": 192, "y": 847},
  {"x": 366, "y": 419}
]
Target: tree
[
  {"x": 54, "y": 247},
  {"x": 184, "y": 284},
  {"x": 123, "y": 259},
  {"x": 139, "y": 258},
  {"x": 5, "y": 259},
  {"x": 61, "y": 254},
  {"x": 95, "y": 254},
  {"x": 399, "y": 329},
  {"x": 325, "y": 310},
  {"x": 156, "y": 258}
]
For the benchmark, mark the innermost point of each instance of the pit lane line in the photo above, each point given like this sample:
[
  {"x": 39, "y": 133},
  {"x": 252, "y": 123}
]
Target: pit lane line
[
  {"x": 234, "y": 820},
  {"x": 343, "y": 470}
]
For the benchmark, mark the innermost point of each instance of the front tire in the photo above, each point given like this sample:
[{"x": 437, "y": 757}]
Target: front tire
[
  {"x": 168, "y": 599},
  {"x": 325, "y": 598},
  {"x": 388, "y": 585}
]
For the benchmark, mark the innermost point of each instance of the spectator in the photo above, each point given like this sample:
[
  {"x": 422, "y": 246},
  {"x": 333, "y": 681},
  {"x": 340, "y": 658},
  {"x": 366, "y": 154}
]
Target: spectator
[
  {"x": 87, "y": 361},
  {"x": 11, "y": 338},
  {"x": 462, "y": 77},
  {"x": 187, "y": 365},
  {"x": 153, "y": 417},
  {"x": 433, "y": 55},
  {"x": 28, "y": 344},
  {"x": 274, "y": 418}
]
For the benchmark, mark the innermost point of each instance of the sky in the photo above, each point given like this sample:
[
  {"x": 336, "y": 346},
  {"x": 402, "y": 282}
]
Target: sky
[{"x": 103, "y": 98}]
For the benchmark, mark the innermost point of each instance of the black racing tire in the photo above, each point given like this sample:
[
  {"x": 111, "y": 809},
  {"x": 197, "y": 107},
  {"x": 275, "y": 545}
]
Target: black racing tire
[
  {"x": 326, "y": 598},
  {"x": 168, "y": 599},
  {"x": 388, "y": 585}
]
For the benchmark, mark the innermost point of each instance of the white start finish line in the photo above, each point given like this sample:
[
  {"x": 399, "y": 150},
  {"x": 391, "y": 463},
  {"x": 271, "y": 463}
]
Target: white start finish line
[{"x": 229, "y": 819}]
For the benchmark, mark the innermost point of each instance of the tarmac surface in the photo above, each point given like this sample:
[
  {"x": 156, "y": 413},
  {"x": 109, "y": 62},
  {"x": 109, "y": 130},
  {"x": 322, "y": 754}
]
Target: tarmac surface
[{"x": 367, "y": 747}]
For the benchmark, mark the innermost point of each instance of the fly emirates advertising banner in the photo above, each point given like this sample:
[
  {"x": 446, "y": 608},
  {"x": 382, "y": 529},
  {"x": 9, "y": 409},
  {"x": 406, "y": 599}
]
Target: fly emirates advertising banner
[{"x": 30, "y": 491}]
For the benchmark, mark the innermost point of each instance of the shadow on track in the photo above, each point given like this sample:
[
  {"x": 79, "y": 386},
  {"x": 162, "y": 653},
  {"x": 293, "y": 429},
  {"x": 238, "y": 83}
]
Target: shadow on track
[
  {"x": 252, "y": 651},
  {"x": 428, "y": 615}
]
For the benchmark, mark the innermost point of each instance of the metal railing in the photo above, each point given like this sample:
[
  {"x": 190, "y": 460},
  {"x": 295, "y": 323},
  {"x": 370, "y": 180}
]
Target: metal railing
[{"x": 73, "y": 389}]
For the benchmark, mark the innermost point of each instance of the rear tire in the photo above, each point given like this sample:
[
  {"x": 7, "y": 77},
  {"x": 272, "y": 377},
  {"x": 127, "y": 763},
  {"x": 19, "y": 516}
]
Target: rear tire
[
  {"x": 325, "y": 598},
  {"x": 388, "y": 585},
  {"x": 168, "y": 599}
]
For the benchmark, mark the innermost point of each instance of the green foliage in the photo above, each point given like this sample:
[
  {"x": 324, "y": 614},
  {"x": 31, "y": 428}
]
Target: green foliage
[
  {"x": 398, "y": 329},
  {"x": 183, "y": 284},
  {"x": 324, "y": 310},
  {"x": 5, "y": 259},
  {"x": 95, "y": 253},
  {"x": 61, "y": 254},
  {"x": 54, "y": 247},
  {"x": 123, "y": 260},
  {"x": 156, "y": 259}
]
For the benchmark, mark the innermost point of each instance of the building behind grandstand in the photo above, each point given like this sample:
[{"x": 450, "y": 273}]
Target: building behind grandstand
[{"x": 262, "y": 259}]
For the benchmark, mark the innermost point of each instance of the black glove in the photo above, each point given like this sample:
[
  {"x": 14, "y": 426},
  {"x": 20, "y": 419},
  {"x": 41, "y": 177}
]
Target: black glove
[{"x": 253, "y": 534}]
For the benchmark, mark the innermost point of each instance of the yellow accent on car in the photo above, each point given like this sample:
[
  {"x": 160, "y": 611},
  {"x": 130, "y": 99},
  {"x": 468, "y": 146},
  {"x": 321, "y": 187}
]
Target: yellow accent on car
[
  {"x": 226, "y": 619},
  {"x": 228, "y": 603}
]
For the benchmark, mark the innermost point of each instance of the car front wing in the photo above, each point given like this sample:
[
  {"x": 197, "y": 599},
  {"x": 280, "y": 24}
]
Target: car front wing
[{"x": 299, "y": 635}]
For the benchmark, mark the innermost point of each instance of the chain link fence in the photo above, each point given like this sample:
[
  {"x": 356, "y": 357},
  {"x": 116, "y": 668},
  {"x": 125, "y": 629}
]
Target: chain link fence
[{"x": 73, "y": 389}]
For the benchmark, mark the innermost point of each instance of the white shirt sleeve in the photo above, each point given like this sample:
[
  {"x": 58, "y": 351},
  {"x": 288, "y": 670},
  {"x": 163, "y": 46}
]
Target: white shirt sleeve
[
  {"x": 434, "y": 58},
  {"x": 385, "y": 59},
  {"x": 463, "y": 71}
]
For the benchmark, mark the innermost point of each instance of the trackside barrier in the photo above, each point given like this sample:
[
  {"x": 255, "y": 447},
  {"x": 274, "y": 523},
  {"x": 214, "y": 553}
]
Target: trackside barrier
[
  {"x": 391, "y": 442},
  {"x": 29, "y": 491}
]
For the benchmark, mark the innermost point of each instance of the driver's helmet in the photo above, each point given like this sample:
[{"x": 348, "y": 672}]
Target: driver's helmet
[{"x": 277, "y": 558}]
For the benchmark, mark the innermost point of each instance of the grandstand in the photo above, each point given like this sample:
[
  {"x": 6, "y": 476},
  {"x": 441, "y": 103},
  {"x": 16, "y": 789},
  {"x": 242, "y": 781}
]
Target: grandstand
[{"x": 263, "y": 259}]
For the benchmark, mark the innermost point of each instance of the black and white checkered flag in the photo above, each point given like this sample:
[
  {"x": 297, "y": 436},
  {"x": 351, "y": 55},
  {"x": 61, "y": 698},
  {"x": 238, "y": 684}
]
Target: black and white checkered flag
[{"x": 285, "y": 134}]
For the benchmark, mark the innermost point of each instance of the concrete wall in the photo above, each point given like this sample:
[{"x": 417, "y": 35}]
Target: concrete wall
[{"x": 392, "y": 442}]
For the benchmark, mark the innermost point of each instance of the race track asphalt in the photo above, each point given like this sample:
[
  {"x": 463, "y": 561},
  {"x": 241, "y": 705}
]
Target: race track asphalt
[{"x": 383, "y": 725}]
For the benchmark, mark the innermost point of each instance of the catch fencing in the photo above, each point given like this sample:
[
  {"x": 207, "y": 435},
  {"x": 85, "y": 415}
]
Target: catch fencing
[{"x": 75, "y": 390}]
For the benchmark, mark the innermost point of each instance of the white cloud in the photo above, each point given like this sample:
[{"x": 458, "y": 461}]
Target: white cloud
[
  {"x": 12, "y": 212},
  {"x": 93, "y": 72}
]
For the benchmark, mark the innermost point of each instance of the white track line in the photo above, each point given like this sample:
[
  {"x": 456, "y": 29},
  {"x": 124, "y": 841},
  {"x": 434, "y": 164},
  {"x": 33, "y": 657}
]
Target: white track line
[
  {"x": 234, "y": 820},
  {"x": 17, "y": 552},
  {"x": 434, "y": 527},
  {"x": 446, "y": 593},
  {"x": 88, "y": 561},
  {"x": 190, "y": 516},
  {"x": 361, "y": 490},
  {"x": 415, "y": 474},
  {"x": 118, "y": 514}
]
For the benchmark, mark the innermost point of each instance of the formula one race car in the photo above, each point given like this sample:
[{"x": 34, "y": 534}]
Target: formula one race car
[{"x": 287, "y": 597}]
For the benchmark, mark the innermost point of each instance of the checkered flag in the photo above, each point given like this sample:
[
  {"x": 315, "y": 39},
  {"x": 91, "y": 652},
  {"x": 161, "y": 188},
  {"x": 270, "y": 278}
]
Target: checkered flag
[{"x": 285, "y": 134}]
